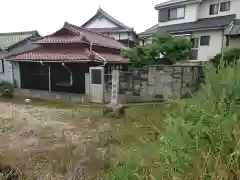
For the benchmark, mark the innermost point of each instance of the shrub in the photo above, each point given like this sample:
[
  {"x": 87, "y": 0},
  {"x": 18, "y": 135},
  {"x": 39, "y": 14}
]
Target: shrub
[
  {"x": 6, "y": 89},
  {"x": 200, "y": 140},
  {"x": 173, "y": 49},
  {"x": 230, "y": 56}
]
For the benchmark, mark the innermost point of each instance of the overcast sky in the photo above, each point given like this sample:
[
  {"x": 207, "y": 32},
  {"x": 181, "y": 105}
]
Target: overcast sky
[{"x": 47, "y": 16}]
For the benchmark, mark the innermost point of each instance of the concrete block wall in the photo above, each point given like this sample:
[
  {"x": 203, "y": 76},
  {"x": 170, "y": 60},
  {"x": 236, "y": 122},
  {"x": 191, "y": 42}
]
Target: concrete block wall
[{"x": 166, "y": 82}]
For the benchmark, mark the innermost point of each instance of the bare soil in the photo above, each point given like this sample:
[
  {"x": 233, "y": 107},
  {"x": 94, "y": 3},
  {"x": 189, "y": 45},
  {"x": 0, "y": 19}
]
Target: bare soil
[{"x": 52, "y": 143}]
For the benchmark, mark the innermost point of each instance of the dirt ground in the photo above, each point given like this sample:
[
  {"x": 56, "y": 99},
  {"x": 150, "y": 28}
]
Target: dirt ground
[{"x": 52, "y": 143}]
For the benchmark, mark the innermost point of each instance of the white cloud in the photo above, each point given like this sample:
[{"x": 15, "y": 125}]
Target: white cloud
[{"x": 47, "y": 16}]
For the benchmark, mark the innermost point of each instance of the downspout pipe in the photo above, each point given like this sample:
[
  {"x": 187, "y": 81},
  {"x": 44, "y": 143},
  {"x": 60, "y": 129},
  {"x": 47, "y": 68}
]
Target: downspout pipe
[
  {"x": 71, "y": 77},
  {"x": 105, "y": 61}
]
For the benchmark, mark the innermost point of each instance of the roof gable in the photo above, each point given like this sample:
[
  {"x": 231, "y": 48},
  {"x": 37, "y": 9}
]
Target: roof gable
[
  {"x": 74, "y": 34},
  {"x": 103, "y": 20},
  {"x": 94, "y": 37},
  {"x": 8, "y": 40}
]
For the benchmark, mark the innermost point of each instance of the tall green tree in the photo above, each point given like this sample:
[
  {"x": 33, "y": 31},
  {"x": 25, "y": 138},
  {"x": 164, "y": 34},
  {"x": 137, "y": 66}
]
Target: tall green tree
[{"x": 172, "y": 48}]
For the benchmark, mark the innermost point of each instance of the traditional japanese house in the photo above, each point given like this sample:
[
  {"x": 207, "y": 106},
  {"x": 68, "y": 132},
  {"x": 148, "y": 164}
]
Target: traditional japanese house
[
  {"x": 61, "y": 60},
  {"x": 104, "y": 23}
]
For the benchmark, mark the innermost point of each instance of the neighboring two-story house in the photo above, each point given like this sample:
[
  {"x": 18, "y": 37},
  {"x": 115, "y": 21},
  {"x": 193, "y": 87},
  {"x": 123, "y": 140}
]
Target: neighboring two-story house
[
  {"x": 209, "y": 24},
  {"x": 105, "y": 24}
]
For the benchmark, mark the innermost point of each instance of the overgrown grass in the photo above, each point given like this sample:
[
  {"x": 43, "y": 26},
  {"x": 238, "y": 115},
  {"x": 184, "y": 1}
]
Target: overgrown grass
[{"x": 193, "y": 139}]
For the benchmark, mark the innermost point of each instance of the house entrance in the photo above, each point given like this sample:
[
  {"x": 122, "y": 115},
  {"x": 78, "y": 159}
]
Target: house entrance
[{"x": 96, "y": 88}]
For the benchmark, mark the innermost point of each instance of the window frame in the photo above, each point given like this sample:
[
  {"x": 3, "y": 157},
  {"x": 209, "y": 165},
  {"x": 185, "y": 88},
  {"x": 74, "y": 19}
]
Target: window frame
[
  {"x": 224, "y": 3},
  {"x": 194, "y": 48},
  {"x": 172, "y": 9},
  {"x": 2, "y": 69},
  {"x": 195, "y": 39},
  {"x": 217, "y": 6},
  {"x": 205, "y": 44}
]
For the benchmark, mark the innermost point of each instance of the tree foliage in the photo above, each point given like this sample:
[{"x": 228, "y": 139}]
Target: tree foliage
[
  {"x": 172, "y": 48},
  {"x": 229, "y": 57}
]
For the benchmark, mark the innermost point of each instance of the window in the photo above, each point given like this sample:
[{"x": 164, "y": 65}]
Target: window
[
  {"x": 1, "y": 66},
  {"x": 195, "y": 42},
  {"x": 225, "y": 6},
  {"x": 177, "y": 13},
  {"x": 193, "y": 54},
  {"x": 96, "y": 76},
  {"x": 213, "y": 9},
  {"x": 194, "y": 50},
  {"x": 205, "y": 41}
]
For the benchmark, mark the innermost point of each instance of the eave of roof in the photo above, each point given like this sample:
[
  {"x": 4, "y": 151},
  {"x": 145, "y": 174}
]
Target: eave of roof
[
  {"x": 65, "y": 55},
  {"x": 106, "y": 30},
  {"x": 201, "y": 24},
  {"x": 172, "y": 3},
  {"x": 109, "y": 17}
]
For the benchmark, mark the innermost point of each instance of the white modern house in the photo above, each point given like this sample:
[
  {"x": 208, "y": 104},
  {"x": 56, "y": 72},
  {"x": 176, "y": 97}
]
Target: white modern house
[
  {"x": 211, "y": 25},
  {"x": 104, "y": 23}
]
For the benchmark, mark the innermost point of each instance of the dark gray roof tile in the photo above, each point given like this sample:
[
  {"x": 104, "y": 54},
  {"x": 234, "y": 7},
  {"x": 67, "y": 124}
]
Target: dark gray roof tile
[
  {"x": 201, "y": 24},
  {"x": 7, "y": 40}
]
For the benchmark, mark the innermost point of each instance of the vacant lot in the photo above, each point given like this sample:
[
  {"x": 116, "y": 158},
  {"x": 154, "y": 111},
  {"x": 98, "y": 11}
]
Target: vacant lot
[{"x": 52, "y": 143}]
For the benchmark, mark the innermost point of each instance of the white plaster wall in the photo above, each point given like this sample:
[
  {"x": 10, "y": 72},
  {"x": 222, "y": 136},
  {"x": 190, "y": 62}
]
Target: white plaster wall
[
  {"x": 11, "y": 73},
  {"x": 122, "y": 36},
  {"x": 191, "y": 14},
  {"x": 215, "y": 46},
  {"x": 16, "y": 74},
  {"x": 204, "y": 8},
  {"x": 7, "y": 75},
  {"x": 101, "y": 23}
]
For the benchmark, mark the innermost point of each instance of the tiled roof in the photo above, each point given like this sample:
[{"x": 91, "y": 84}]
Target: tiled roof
[
  {"x": 95, "y": 38},
  {"x": 60, "y": 39},
  {"x": 201, "y": 24},
  {"x": 82, "y": 35},
  {"x": 113, "y": 57},
  {"x": 101, "y": 12},
  {"x": 41, "y": 54},
  {"x": 150, "y": 31},
  {"x": 174, "y": 2},
  {"x": 66, "y": 55},
  {"x": 7, "y": 40}
]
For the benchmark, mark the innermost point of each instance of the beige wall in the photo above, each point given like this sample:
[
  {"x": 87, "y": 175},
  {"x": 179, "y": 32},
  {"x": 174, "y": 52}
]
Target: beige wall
[
  {"x": 191, "y": 14},
  {"x": 234, "y": 42},
  {"x": 204, "y": 8}
]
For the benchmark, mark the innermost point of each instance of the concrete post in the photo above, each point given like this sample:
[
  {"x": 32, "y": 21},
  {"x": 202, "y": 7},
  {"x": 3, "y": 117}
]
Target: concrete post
[{"x": 115, "y": 87}]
